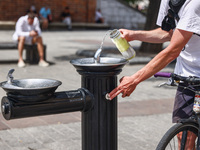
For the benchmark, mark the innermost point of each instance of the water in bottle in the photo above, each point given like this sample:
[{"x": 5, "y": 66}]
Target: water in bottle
[{"x": 123, "y": 46}]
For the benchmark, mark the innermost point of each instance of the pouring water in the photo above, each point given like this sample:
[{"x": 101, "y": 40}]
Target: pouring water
[
  {"x": 123, "y": 46},
  {"x": 98, "y": 52}
]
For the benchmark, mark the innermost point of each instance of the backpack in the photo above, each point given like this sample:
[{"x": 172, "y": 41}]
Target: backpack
[{"x": 168, "y": 22}]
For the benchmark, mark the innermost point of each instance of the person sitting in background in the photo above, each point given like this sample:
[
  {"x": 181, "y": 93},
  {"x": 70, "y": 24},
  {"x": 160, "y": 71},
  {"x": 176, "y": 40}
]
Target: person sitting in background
[
  {"x": 66, "y": 17},
  {"x": 99, "y": 17},
  {"x": 32, "y": 9},
  {"x": 45, "y": 16},
  {"x": 27, "y": 31}
]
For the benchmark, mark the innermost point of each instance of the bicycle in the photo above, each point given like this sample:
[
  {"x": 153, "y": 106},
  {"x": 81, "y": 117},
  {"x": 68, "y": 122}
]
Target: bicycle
[{"x": 178, "y": 137}]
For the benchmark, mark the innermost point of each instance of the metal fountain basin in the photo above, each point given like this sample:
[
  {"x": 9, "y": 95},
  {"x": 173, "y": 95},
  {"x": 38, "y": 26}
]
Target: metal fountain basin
[
  {"x": 31, "y": 86},
  {"x": 105, "y": 64}
]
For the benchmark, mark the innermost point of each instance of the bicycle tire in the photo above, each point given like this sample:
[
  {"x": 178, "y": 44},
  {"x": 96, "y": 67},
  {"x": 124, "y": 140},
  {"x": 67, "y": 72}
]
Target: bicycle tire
[{"x": 170, "y": 141}]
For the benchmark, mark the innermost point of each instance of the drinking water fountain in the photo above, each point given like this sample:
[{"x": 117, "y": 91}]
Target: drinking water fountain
[{"x": 35, "y": 97}]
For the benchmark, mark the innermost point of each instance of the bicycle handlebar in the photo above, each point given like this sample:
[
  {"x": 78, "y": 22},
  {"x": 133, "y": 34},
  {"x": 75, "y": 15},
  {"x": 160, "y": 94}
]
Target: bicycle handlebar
[
  {"x": 189, "y": 80},
  {"x": 163, "y": 74}
]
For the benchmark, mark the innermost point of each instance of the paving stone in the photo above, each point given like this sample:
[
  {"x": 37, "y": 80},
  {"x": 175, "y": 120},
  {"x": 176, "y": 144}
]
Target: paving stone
[
  {"x": 143, "y": 117},
  {"x": 4, "y": 146},
  {"x": 39, "y": 135}
]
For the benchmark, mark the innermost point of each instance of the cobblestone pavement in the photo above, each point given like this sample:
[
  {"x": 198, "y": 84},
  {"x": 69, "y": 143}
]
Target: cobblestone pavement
[{"x": 143, "y": 117}]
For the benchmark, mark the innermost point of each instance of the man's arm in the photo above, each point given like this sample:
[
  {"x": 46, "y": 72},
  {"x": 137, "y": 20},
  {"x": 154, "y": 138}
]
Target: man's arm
[
  {"x": 37, "y": 26},
  {"x": 129, "y": 83},
  {"x": 152, "y": 36},
  {"x": 19, "y": 28}
]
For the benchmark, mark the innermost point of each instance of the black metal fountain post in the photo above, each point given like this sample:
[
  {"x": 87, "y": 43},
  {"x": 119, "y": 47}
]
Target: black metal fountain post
[
  {"x": 99, "y": 124},
  {"x": 34, "y": 97}
]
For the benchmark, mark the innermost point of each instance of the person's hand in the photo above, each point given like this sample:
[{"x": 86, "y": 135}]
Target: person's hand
[
  {"x": 33, "y": 33},
  {"x": 127, "y": 34},
  {"x": 126, "y": 87}
]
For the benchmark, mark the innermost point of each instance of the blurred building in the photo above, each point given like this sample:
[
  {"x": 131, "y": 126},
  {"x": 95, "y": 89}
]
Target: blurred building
[
  {"x": 116, "y": 13},
  {"x": 120, "y": 15},
  {"x": 81, "y": 10}
]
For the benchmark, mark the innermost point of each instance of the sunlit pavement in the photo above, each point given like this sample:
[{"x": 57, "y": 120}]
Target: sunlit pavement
[{"x": 143, "y": 117}]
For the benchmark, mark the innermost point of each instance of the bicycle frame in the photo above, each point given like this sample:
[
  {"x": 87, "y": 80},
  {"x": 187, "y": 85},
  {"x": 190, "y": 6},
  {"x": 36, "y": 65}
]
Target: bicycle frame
[{"x": 195, "y": 118}]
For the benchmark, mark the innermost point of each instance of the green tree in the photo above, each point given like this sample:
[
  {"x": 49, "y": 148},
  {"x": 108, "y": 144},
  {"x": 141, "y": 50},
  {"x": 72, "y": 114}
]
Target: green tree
[{"x": 151, "y": 17}]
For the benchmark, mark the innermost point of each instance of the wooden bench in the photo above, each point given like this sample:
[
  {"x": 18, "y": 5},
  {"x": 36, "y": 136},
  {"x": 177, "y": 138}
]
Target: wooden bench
[{"x": 32, "y": 55}]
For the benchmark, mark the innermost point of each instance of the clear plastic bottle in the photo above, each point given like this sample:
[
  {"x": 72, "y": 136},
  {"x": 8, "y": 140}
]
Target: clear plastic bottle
[{"x": 123, "y": 46}]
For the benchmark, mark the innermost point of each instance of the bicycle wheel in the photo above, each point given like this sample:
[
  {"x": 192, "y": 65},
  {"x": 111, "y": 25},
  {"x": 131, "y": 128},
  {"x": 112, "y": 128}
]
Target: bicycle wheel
[{"x": 183, "y": 131}]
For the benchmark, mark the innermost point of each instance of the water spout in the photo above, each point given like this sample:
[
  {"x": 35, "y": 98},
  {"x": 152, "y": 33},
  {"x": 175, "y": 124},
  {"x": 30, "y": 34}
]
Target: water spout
[
  {"x": 10, "y": 76},
  {"x": 97, "y": 56}
]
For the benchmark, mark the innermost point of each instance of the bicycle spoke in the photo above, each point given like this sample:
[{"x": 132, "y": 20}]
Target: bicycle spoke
[
  {"x": 180, "y": 137},
  {"x": 172, "y": 145}
]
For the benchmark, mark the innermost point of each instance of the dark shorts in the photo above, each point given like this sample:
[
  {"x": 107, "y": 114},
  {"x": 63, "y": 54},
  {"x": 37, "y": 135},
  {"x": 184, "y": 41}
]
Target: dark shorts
[{"x": 183, "y": 105}]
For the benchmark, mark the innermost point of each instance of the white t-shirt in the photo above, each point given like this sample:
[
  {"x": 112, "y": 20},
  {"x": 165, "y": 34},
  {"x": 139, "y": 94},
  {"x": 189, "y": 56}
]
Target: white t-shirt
[
  {"x": 98, "y": 15},
  {"x": 188, "y": 62},
  {"x": 23, "y": 28}
]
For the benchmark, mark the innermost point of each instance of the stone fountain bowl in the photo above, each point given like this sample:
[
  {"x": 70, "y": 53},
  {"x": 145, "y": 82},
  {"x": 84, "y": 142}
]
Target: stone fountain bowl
[
  {"x": 29, "y": 87},
  {"x": 106, "y": 64}
]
